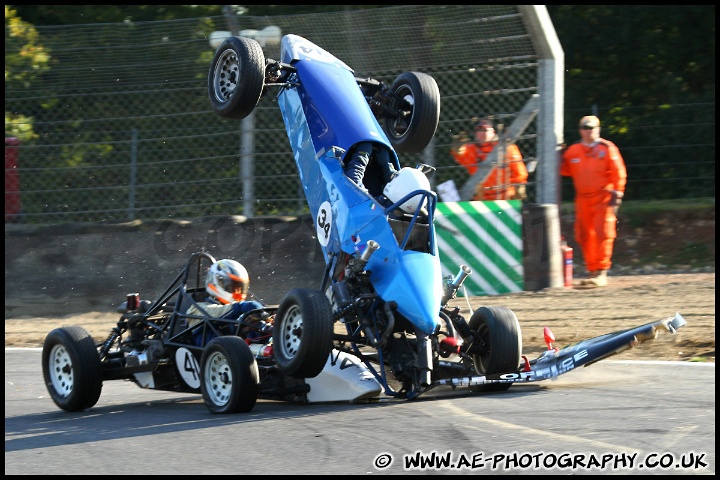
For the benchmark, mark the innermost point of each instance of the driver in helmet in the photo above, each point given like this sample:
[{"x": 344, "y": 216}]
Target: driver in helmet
[
  {"x": 394, "y": 184},
  {"x": 227, "y": 285},
  {"x": 404, "y": 182}
]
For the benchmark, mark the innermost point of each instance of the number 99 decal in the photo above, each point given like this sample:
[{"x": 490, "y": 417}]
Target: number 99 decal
[{"x": 323, "y": 224}]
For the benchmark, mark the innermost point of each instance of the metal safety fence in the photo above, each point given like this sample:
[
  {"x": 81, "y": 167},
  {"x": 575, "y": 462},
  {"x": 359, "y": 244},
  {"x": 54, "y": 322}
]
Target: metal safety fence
[{"x": 119, "y": 127}]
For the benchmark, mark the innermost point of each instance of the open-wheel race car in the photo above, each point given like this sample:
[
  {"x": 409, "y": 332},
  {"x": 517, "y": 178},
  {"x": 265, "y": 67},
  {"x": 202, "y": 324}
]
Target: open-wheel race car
[
  {"x": 174, "y": 344},
  {"x": 382, "y": 304}
]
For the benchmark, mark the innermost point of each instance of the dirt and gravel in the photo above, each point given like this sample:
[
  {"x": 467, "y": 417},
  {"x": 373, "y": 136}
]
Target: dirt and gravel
[
  {"x": 579, "y": 313},
  {"x": 573, "y": 314}
]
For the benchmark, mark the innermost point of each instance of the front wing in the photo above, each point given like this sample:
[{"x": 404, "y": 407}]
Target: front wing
[{"x": 555, "y": 362}]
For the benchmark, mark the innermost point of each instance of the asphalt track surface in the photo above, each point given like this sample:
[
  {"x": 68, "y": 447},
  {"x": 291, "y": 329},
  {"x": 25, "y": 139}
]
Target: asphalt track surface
[{"x": 612, "y": 418}]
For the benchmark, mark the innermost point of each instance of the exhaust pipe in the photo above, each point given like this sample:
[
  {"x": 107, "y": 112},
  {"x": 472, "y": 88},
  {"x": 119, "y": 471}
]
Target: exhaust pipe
[
  {"x": 372, "y": 247},
  {"x": 454, "y": 285}
]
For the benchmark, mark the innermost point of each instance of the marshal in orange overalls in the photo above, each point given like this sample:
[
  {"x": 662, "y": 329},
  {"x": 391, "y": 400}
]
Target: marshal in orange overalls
[
  {"x": 500, "y": 183},
  {"x": 598, "y": 170}
]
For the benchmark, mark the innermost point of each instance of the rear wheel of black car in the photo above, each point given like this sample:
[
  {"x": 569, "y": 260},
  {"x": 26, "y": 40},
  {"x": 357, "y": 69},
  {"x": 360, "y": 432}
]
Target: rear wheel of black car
[
  {"x": 416, "y": 99},
  {"x": 302, "y": 333},
  {"x": 71, "y": 368},
  {"x": 498, "y": 331},
  {"x": 237, "y": 77},
  {"x": 229, "y": 376}
]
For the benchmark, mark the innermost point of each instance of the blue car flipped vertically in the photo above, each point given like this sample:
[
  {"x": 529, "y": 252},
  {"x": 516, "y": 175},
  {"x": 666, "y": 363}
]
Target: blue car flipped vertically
[{"x": 383, "y": 278}]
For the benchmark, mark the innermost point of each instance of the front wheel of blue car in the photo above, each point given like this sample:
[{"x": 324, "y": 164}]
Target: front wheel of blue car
[
  {"x": 237, "y": 77},
  {"x": 415, "y": 105},
  {"x": 302, "y": 333},
  {"x": 498, "y": 331},
  {"x": 228, "y": 376}
]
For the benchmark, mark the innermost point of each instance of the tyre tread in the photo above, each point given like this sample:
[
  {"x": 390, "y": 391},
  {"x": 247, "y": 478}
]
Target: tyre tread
[
  {"x": 245, "y": 387},
  {"x": 87, "y": 384},
  {"x": 505, "y": 343},
  {"x": 317, "y": 333}
]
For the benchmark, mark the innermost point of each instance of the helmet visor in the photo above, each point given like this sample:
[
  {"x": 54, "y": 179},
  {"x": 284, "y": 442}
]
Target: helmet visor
[{"x": 235, "y": 285}]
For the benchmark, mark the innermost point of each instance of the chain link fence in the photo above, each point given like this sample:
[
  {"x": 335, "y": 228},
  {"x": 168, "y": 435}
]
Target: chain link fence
[{"x": 123, "y": 129}]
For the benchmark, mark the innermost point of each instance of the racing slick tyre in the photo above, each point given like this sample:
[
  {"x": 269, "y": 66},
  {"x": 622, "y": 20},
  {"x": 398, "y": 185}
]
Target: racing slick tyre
[
  {"x": 417, "y": 97},
  {"x": 71, "y": 368},
  {"x": 499, "y": 331},
  {"x": 303, "y": 332},
  {"x": 229, "y": 375},
  {"x": 237, "y": 77}
]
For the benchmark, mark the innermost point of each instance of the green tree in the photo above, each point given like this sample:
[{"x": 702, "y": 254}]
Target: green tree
[
  {"x": 636, "y": 55},
  {"x": 79, "y": 14},
  {"x": 25, "y": 60}
]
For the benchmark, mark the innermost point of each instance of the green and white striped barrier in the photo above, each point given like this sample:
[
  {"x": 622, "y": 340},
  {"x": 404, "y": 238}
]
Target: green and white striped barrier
[{"x": 486, "y": 236}]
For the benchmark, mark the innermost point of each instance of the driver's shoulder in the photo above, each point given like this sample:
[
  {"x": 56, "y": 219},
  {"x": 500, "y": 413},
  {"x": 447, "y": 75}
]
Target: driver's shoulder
[{"x": 212, "y": 309}]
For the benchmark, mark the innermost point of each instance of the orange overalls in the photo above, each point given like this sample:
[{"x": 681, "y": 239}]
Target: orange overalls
[
  {"x": 596, "y": 171},
  {"x": 500, "y": 183}
]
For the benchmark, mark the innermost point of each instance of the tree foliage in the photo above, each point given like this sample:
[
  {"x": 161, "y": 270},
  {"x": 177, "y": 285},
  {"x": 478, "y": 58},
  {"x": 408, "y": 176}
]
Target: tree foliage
[
  {"x": 636, "y": 55},
  {"x": 26, "y": 60},
  {"x": 61, "y": 14}
]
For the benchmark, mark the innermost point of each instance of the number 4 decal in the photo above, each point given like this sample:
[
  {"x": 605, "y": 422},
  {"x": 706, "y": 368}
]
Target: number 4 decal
[{"x": 188, "y": 367}]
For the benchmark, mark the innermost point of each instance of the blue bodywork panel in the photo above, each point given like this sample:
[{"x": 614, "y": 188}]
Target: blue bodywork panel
[{"x": 325, "y": 114}]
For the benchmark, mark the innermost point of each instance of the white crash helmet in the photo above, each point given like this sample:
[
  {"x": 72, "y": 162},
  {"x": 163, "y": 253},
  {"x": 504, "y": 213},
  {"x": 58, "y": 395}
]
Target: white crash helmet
[
  {"x": 402, "y": 183},
  {"x": 227, "y": 281}
]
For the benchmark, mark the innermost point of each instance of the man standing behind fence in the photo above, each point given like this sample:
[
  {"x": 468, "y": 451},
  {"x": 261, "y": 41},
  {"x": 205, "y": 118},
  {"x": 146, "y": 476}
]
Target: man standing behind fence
[
  {"x": 599, "y": 177},
  {"x": 506, "y": 181}
]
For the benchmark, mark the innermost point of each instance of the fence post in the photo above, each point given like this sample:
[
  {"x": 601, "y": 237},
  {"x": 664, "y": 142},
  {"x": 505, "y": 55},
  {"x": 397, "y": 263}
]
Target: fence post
[
  {"x": 12, "y": 180},
  {"x": 133, "y": 174},
  {"x": 247, "y": 165}
]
